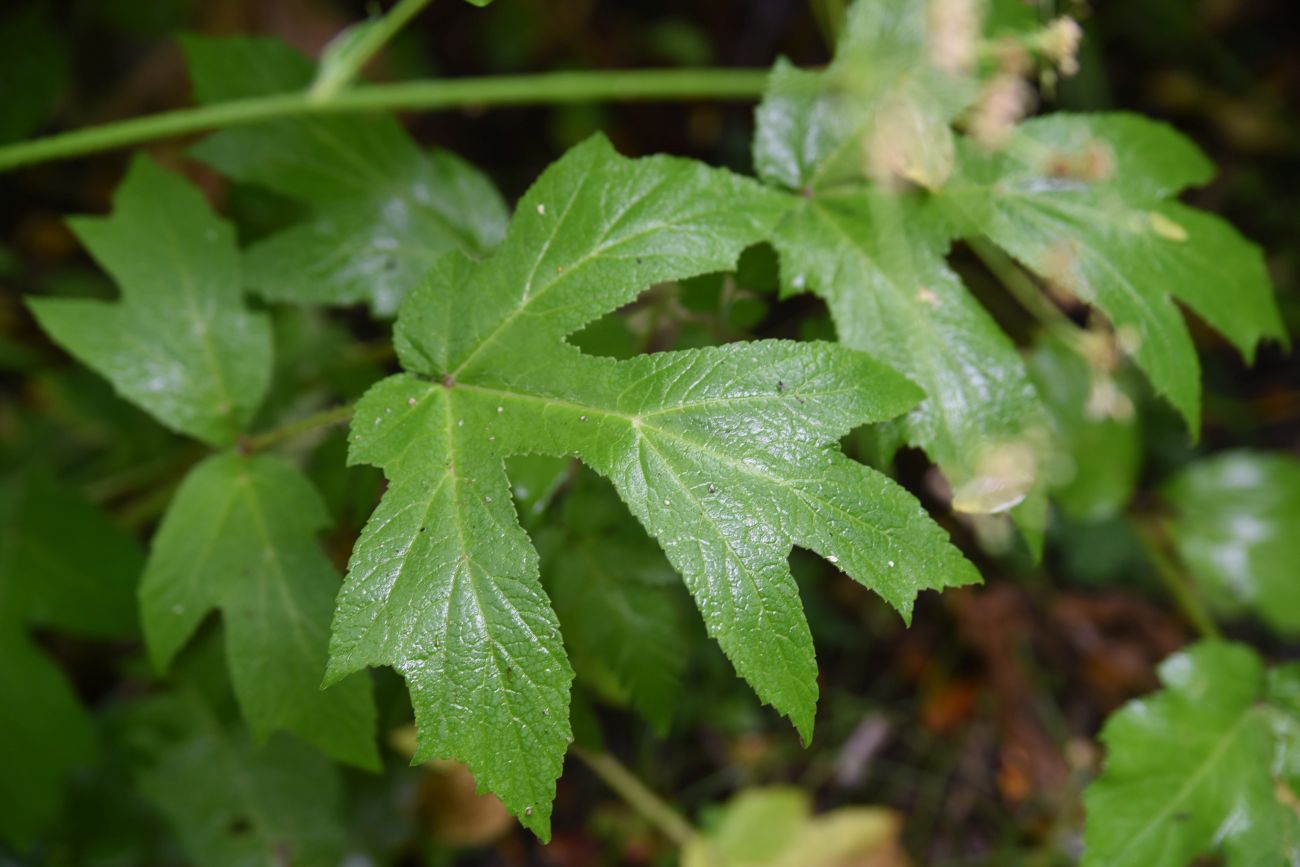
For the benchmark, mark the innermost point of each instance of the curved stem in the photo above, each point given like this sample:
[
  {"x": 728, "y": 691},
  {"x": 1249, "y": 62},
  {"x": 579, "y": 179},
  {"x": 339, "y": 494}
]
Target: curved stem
[
  {"x": 1023, "y": 288},
  {"x": 647, "y": 803},
  {"x": 541, "y": 89},
  {"x": 362, "y": 44},
  {"x": 324, "y": 418},
  {"x": 1175, "y": 581}
]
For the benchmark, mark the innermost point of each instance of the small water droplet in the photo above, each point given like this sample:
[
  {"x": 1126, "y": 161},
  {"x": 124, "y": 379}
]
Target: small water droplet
[
  {"x": 582, "y": 418},
  {"x": 800, "y": 281},
  {"x": 501, "y": 409},
  {"x": 487, "y": 499},
  {"x": 410, "y": 401},
  {"x": 891, "y": 564},
  {"x": 833, "y": 558},
  {"x": 666, "y": 503},
  {"x": 178, "y": 609},
  {"x": 460, "y": 422},
  {"x": 378, "y": 421},
  {"x": 528, "y": 811},
  {"x": 492, "y": 439},
  {"x": 541, "y": 209}
]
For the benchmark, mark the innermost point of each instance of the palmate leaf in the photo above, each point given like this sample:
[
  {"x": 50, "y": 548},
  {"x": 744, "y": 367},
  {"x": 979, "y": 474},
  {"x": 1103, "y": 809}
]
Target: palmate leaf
[
  {"x": 86, "y": 588},
  {"x": 180, "y": 343},
  {"x": 1234, "y": 525},
  {"x": 1202, "y": 767},
  {"x": 725, "y": 455},
  {"x": 381, "y": 211},
  {"x": 1084, "y": 201},
  {"x": 239, "y": 536},
  {"x": 837, "y": 139}
]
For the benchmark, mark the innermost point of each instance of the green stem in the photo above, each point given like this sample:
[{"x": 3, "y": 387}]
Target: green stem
[
  {"x": 1153, "y": 540},
  {"x": 829, "y": 15},
  {"x": 367, "y": 39},
  {"x": 324, "y": 418},
  {"x": 542, "y": 89},
  {"x": 629, "y": 788},
  {"x": 1023, "y": 288}
]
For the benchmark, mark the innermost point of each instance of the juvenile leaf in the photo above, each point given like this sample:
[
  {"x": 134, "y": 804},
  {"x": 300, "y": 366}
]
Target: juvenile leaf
[
  {"x": 381, "y": 211},
  {"x": 180, "y": 343},
  {"x": 726, "y": 455},
  {"x": 877, "y": 256},
  {"x": 85, "y": 588},
  {"x": 1189, "y": 771},
  {"x": 1235, "y": 528},
  {"x": 232, "y": 801},
  {"x": 1083, "y": 201},
  {"x": 240, "y": 537}
]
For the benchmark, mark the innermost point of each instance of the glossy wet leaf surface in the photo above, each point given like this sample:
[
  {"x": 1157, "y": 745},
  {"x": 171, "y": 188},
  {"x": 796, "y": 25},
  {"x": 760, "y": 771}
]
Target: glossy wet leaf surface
[
  {"x": 380, "y": 210},
  {"x": 877, "y": 255},
  {"x": 1235, "y": 528},
  {"x": 1086, "y": 202},
  {"x": 1190, "y": 770},
  {"x": 240, "y": 537},
  {"x": 180, "y": 343},
  {"x": 725, "y": 455}
]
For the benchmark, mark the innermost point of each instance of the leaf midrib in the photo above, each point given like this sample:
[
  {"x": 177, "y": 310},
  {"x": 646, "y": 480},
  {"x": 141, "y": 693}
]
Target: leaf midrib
[{"x": 1188, "y": 785}]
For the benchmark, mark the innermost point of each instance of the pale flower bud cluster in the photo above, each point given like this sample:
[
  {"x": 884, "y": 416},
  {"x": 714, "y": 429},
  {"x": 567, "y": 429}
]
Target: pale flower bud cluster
[
  {"x": 1059, "y": 43},
  {"x": 953, "y": 34},
  {"x": 1006, "y": 99}
]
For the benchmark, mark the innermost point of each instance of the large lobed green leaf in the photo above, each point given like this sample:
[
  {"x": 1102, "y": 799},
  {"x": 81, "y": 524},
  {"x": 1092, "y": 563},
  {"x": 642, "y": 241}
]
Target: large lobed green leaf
[
  {"x": 1085, "y": 201},
  {"x": 1235, "y": 522},
  {"x": 180, "y": 343},
  {"x": 239, "y": 536},
  {"x": 840, "y": 140},
  {"x": 1205, "y": 766},
  {"x": 380, "y": 211},
  {"x": 726, "y": 455}
]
